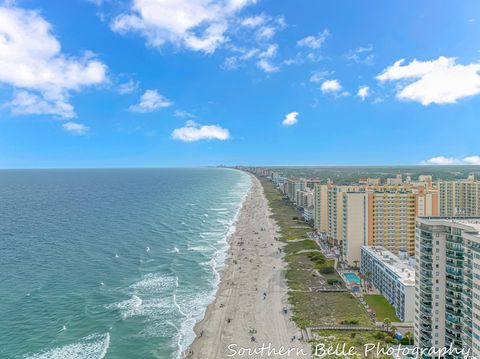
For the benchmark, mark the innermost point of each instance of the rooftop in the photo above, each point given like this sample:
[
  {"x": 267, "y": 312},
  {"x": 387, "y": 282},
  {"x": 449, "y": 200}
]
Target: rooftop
[
  {"x": 472, "y": 222},
  {"x": 400, "y": 267}
]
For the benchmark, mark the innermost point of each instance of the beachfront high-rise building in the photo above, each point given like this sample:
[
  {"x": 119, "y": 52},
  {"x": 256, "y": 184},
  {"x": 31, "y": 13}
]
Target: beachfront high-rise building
[
  {"x": 447, "y": 306},
  {"x": 459, "y": 198},
  {"x": 312, "y": 182},
  {"x": 353, "y": 226},
  {"x": 392, "y": 212},
  {"x": 391, "y": 218},
  {"x": 304, "y": 198},
  {"x": 396, "y": 181},
  {"x": 335, "y": 213},
  {"x": 393, "y": 277},
  {"x": 320, "y": 204},
  {"x": 292, "y": 185},
  {"x": 385, "y": 217}
]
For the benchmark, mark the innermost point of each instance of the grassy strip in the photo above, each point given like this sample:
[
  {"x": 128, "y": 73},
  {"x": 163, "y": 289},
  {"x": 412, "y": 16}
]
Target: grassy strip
[
  {"x": 328, "y": 308},
  {"x": 382, "y": 308},
  {"x": 295, "y": 247},
  {"x": 308, "y": 271}
]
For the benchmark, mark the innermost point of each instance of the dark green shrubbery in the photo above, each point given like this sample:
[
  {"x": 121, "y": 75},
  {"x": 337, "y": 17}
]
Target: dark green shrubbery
[{"x": 327, "y": 270}]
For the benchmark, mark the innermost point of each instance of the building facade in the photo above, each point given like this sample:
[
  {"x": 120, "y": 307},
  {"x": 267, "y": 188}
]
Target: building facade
[
  {"x": 292, "y": 185},
  {"x": 447, "y": 307},
  {"x": 304, "y": 198},
  {"x": 352, "y": 216},
  {"x": 320, "y": 204},
  {"x": 391, "y": 217},
  {"x": 393, "y": 277},
  {"x": 459, "y": 198},
  {"x": 354, "y": 226}
]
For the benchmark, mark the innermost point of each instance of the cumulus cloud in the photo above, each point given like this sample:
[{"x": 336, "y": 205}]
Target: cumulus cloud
[
  {"x": 270, "y": 27},
  {"x": 32, "y": 62},
  {"x": 314, "y": 42},
  {"x": 442, "y": 160},
  {"x": 151, "y": 101},
  {"x": 28, "y": 103},
  {"x": 331, "y": 86},
  {"x": 290, "y": 119},
  {"x": 198, "y": 25},
  {"x": 76, "y": 128},
  {"x": 192, "y": 132},
  {"x": 438, "y": 81},
  {"x": 472, "y": 160},
  {"x": 363, "y": 92},
  {"x": 265, "y": 57}
]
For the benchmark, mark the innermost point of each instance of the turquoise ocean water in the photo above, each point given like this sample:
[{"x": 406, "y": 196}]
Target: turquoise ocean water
[{"x": 111, "y": 263}]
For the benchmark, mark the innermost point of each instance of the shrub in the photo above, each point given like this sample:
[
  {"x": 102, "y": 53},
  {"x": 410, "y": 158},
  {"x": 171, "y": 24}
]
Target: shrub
[
  {"x": 346, "y": 322},
  {"x": 327, "y": 270},
  {"x": 333, "y": 281}
]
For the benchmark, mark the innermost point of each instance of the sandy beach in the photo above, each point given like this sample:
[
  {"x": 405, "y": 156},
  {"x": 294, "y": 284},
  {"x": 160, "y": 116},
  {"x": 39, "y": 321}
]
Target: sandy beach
[{"x": 252, "y": 295}]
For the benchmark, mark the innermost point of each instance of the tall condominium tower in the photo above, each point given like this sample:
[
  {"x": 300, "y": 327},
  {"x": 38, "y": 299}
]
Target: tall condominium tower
[
  {"x": 447, "y": 292},
  {"x": 459, "y": 198}
]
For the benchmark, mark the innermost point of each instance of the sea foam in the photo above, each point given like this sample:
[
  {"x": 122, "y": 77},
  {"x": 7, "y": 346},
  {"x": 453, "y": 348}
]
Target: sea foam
[{"x": 94, "y": 346}]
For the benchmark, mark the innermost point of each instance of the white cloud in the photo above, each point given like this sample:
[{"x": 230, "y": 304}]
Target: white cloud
[
  {"x": 28, "y": 103},
  {"x": 32, "y": 62},
  {"x": 254, "y": 21},
  {"x": 472, "y": 160},
  {"x": 266, "y": 66},
  {"x": 314, "y": 42},
  {"x": 76, "y": 128},
  {"x": 319, "y": 76},
  {"x": 266, "y": 32},
  {"x": 270, "y": 52},
  {"x": 264, "y": 63},
  {"x": 290, "y": 119},
  {"x": 443, "y": 161},
  {"x": 362, "y": 55},
  {"x": 151, "y": 101},
  {"x": 192, "y": 132},
  {"x": 198, "y": 25},
  {"x": 438, "y": 81},
  {"x": 128, "y": 87},
  {"x": 363, "y": 92},
  {"x": 332, "y": 86},
  {"x": 184, "y": 114}
]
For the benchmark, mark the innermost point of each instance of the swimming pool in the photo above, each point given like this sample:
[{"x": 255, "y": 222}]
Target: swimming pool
[{"x": 352, "y": 277}]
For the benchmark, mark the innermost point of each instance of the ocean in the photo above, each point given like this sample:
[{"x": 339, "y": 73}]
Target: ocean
[{"x": 113, "y": 263}]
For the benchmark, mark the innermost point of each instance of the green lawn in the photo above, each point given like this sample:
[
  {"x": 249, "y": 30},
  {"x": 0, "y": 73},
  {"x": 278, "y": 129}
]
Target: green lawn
[
  {"x": 382, "y": 308},
  {"x": 287, "y": 217},
  {"x": 295, "y": 247}
]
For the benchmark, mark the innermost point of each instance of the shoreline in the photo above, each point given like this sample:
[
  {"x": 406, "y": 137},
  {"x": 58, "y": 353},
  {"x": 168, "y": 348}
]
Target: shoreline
[{"x": 241, "y": 314}]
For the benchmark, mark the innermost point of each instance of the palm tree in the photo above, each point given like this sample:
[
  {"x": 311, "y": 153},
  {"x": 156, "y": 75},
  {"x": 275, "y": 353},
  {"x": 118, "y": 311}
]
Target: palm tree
[
  {"x": 409, "y": 336},
  {"x": 386, "y": 324},
  {"x": 393, "y": 330}
]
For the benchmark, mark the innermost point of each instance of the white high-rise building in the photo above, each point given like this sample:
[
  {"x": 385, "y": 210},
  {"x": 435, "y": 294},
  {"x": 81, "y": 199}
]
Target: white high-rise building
[
  {"x": 447, "y": 305},
  {"x": 393, "y": 277}
]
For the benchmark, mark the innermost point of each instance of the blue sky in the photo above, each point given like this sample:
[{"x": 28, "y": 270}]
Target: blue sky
[{"x": 147, "y": 83}]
